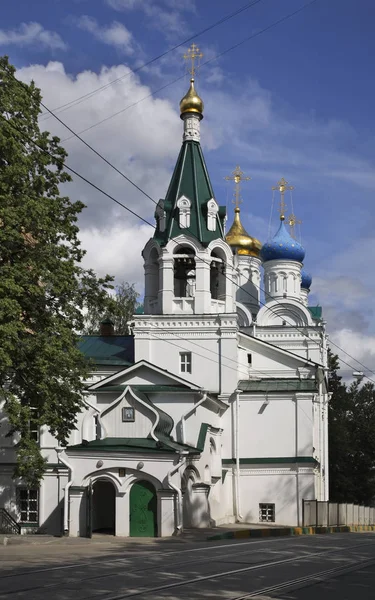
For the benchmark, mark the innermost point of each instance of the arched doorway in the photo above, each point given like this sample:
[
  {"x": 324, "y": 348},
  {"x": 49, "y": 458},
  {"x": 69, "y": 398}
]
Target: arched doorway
[
  {"x": 103, "y": 507},
  {"x": 142, "y": 510}
]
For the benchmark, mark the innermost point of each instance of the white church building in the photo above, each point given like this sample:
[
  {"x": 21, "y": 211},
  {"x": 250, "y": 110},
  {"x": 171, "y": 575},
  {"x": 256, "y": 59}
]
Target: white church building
[{"x": 214, "y": 410}]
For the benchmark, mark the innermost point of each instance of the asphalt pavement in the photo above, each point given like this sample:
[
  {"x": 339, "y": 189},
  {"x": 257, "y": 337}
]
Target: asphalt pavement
[{"x": 336, "y": 566}]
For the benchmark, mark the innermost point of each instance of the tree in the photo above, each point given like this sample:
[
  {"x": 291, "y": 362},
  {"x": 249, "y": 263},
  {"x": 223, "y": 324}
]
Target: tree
[
  {"x": 43, "y": 288},
  {"x": 121, "y": 308},
  {"x": 351, "y": 439}
]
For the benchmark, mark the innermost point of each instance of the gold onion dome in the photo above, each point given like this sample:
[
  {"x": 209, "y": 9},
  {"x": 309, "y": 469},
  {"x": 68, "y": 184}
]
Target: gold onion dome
[
  {"x": 237, "y": 237},
  {"x": 191, "y": 102}
]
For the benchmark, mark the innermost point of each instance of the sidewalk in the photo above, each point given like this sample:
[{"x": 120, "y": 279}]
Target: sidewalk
[{"x": 223, "y": 532}]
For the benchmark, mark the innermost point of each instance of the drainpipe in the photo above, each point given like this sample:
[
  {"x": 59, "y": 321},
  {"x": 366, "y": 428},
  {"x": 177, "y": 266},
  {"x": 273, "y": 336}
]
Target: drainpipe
[
  {"x": 66, "y": 489},
  {"x": 239, "y": 517},
  {"x": 187, "y": 414},
  {"x": 181, "y": 462}
]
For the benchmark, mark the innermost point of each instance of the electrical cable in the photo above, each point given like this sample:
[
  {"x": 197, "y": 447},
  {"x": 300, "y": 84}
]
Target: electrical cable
[
  {"x": 153, "y": 226},
  {"x": 216, "y": 57}
]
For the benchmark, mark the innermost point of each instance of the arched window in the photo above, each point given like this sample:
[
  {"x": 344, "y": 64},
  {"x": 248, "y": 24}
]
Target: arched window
[
  {"x": 184, "y": 207},
  {"x": 217, "y": 275},
  {"x": 212, "y": 210},
  {"x": 184, "y": 272}
]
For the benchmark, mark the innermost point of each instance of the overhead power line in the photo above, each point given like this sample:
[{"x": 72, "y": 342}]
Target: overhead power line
[
  {"x": 216, "y": 57},
  {"x": 30, "y": 140},
  {"x": 224, "y": 19}
]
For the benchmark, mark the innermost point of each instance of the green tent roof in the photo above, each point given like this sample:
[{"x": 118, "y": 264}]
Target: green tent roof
[
  {"x": 278, "y": 385},
  {"x": 190, "y": 178}
]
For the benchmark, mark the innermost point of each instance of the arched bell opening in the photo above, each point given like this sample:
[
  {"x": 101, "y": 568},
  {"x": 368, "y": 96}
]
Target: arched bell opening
[
  {"x": 217, "y": 275},
  {"x": 184, "y": 272}
]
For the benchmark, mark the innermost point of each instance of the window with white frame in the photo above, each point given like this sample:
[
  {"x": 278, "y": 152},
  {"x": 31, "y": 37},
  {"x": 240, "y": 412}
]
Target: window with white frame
[
  {"x": 28, "y": 504},
  {"x": 185, "y": 362},
  {"x": 34, "y": 426},
  {"x": 267, "y": 513}
]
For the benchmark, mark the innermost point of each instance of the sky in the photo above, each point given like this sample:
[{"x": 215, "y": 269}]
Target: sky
[{"x": 296, "y": 101}]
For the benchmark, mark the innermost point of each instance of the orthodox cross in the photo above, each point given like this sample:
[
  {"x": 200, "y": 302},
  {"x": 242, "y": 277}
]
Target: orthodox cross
[
  {"x": 282, "y": 186},
  {"x": 193, "y": 54},
  {"x": 237, "y": 177},
  {"x": 292, "y": 222}
]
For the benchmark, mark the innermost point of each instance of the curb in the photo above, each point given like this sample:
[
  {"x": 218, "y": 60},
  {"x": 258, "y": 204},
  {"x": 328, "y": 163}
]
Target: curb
[{"x": 287, "y": 531}]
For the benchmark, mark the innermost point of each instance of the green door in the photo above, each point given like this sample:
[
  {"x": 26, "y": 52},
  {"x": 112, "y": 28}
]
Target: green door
[{"x": 142, "y": 512}]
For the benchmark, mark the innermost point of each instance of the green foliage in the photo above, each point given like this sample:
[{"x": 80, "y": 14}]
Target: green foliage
[
  {"x": 43, "y": 288},
  {"x": 351, "y": 439},
  {"x": 121, "y": 307}
]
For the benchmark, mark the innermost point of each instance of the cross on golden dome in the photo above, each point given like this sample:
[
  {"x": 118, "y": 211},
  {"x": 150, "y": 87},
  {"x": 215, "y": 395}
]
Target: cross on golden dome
[
  {"x": 193, "y": 54},
  {"x": 282, "y": 186},
  {"x": 292, "y": 222},
  {"x": 237, "y": 177}
]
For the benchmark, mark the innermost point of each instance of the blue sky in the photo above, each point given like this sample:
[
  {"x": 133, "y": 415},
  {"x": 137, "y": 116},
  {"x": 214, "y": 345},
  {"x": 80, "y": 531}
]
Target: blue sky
[{"x": 296, "y": 101}]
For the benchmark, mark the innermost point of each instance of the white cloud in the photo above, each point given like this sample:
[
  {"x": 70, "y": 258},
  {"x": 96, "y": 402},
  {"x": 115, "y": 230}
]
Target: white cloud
[
  {"x": 116, "y": 34},
  {"x": 167, "y": 15},
  {"x": 32, "y": 34},
  {"x": 143, "y": 143},
  {"x": 117, "y": 251}
]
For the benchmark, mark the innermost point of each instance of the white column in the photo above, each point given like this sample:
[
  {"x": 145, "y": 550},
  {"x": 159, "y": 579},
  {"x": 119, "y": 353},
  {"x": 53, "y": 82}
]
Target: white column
[
  {"x": 122, "y": 515},
  {"x": 77, "y": 512},
  {"x": 165, "y": 512},
  {"x": 166, "y": 288},
  {"x": 202, "y": 290}
]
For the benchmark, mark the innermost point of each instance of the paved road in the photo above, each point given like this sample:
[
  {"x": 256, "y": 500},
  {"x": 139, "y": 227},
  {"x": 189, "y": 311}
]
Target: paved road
[{"x": 340, "y": 566}]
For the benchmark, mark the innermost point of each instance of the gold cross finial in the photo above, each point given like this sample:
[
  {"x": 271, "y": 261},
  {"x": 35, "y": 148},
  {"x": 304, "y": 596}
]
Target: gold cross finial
[
  {"x": 292, "y": 222},
  {"x": 193, "y": 54},
  {"x": 282, "y": 186},
  {"x": 237, "y": 177}
]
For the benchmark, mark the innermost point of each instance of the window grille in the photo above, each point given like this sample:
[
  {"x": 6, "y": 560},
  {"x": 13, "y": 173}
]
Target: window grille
[
  {"x": 28, "y": 504},
  {"x": 267, "y": 513}
]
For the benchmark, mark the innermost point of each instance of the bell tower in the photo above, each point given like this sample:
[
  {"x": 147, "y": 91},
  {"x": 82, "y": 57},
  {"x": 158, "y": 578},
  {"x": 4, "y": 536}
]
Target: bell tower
[
  {"x": 188, "y": 265},
  {"x": 190, "y": 322}
]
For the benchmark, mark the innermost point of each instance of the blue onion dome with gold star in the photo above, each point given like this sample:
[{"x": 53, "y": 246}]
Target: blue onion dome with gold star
[
  {"x": 306, "y": 280},
  {"x": 282, "y": 247}
]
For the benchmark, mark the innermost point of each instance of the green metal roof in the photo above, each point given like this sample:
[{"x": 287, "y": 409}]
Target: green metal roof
[
  {"x": 278, "y": 385},
  {"x": 129, "y": 445},
  {"x": 108, "y": 349},
  {"x": 316, "y": 312},
  {"x": 190, "y": 178}
]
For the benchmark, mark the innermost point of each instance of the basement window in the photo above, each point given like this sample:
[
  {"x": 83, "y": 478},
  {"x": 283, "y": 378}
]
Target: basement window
[{"x": 267, "y": 513}]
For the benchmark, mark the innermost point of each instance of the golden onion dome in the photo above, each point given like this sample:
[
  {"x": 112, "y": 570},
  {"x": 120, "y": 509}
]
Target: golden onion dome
[
  {"x": 238, "y": 238},
  {"x": 191, "y": 102}
]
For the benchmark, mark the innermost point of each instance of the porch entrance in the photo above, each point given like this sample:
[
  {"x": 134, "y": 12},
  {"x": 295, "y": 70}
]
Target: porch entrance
[
  {"x": 103, "y": 507},
  {"x": 142, "y": 510}
]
